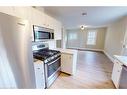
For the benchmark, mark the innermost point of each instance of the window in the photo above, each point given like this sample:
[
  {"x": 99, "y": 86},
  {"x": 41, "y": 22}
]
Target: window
[
  {"x": 72, "y": 36},
  {"x": 91, "y": 38}
]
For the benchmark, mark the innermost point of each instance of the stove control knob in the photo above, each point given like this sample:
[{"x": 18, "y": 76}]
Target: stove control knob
[
  {"x": 48, "y": 59},
  {"x": 45, "y": 61},
  {"x": 52, "y": 57}
]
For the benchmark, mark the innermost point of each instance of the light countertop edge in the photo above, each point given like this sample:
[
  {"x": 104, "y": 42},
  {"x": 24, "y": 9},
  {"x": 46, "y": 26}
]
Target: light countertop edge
[
  {"x": 69, "y": 51},
  {"x": 122, "y": 59}
]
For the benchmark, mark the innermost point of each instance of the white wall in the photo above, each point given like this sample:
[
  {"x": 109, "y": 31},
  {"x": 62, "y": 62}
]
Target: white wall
[
  {"x": 115, "y": 37},
  {"x": 81, "y": 41}
]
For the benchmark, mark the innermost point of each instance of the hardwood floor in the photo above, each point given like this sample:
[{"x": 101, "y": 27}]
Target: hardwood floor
[{"x": 93, "y": 72}]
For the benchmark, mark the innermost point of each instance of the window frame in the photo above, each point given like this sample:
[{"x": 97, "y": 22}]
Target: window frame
[{"x": 91, "y": 38}]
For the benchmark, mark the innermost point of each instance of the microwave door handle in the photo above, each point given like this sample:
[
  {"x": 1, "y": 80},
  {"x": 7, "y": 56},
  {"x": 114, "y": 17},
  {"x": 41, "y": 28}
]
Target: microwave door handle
[{"x": 50, "y": 36}]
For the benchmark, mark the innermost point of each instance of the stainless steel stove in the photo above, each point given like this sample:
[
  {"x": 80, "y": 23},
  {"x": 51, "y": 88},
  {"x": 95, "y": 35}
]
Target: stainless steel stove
[{"x": 51, "y": 60}]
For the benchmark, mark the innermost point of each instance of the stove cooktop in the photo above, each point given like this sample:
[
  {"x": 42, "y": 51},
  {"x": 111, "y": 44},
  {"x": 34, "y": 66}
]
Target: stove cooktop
[{"x": 43, "y": 54}]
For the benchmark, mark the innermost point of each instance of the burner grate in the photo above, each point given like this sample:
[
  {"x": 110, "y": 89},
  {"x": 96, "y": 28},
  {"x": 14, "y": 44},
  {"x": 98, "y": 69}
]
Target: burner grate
[{"x": 44, "y": 53}]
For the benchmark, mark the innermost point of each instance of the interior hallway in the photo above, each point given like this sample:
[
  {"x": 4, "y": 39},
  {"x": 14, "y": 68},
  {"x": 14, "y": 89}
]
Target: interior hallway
[{"x": 93, "y": 72}]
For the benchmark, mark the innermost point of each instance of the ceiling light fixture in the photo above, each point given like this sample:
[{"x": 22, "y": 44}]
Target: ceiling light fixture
[
  {"x": 83, "y": 27},
  {"x": 84, "y": 14}
]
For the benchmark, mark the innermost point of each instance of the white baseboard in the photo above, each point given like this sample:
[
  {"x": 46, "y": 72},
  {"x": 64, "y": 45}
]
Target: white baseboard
[
  {"x": 91, "y": 49},
  {"x": 111, "y": 58},
  {"x": 87, "y": 49}
]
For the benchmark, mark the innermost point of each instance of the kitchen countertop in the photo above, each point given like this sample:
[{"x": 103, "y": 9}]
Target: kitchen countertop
[
  {"x": 122, "y": 59},
  {"x": 69, "y": 51}
]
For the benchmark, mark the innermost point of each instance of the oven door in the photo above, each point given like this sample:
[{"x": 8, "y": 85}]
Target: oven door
[{"x": 52, "y": 71}]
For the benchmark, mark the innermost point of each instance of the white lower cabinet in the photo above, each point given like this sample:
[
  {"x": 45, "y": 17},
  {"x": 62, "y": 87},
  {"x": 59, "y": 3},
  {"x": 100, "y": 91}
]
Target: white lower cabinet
[
  {"x": 116, "y": 73},
  {"x": 39, "y": 74},
  {"x": 57, "y": 26},
  {"x": 68, "y": 62}
]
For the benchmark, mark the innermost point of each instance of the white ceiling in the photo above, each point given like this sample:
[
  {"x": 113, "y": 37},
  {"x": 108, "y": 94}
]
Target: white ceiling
[{"x": 96, "y": 16}]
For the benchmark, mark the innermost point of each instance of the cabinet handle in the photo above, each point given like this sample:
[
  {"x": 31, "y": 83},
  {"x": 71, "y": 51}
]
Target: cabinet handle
[{"x": 38, "y": 68}]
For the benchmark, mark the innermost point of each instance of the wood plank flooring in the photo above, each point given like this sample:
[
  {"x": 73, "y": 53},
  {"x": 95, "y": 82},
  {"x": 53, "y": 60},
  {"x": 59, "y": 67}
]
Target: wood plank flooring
[{"x": 93, "y": 72}]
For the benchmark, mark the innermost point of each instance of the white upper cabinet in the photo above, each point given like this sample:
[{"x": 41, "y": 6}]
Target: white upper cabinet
[
  {"x": 7, "y": 10},
  {"x": 49, "y": 21},
  {"x": 38, "y": 18},
  {"x": 21, "y": 12},
  {"x": 35, "y": 17},
  {"x": 57, "y": 30},
  {"x": 54, "y": 24}
]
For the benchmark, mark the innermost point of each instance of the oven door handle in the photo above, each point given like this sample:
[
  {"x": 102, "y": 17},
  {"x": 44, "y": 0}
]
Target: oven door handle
[{"x": 54, "y": 61}]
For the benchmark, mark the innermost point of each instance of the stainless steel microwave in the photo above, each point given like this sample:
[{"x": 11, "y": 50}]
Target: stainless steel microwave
[{"x": 42, "y": 33}]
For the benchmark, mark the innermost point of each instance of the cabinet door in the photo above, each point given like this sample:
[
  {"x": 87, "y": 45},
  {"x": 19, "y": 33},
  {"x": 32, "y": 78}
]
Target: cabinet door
[
  {"x": 49, "y": 21},
  {"x": 66, "y": 63},
  {"x": 21, "y": 12},
  {"x": 39, "y": 75},
  {"x": 116, "y": 73},
  {"x": 57, "y": 30},
  {"x": 29, "y": 17},
  {"x": 38, "y": 17},
  {"x": 8, "y": 10}
]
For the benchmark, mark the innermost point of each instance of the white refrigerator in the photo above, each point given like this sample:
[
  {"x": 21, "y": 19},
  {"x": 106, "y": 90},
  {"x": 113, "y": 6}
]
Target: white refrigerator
[{"x": 16, "y": 58}]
